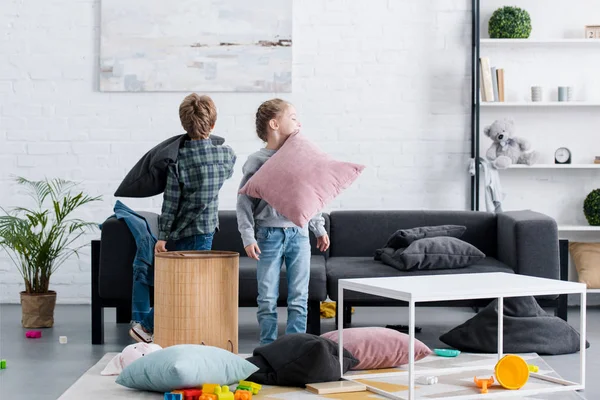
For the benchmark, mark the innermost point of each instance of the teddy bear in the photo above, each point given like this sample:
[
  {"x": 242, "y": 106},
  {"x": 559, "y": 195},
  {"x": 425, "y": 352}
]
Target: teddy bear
[
  {"x": 508, "y": 149},
  {"x": 127, "y": 356}
]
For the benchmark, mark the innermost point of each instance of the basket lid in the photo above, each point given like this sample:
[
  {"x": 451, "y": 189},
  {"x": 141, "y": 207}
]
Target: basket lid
[{"x": 198, "y": 254}]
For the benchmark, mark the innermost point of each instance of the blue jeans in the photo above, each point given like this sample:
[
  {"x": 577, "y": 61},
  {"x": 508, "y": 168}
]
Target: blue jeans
[
  {"x": 276, "y": 246},
  {"x": 140, "y": 304}
]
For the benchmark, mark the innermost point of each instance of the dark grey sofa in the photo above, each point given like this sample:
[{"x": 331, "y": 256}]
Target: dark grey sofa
[
  {"x": 523, "y": 242},
  {"x": 112, "y": 271}
]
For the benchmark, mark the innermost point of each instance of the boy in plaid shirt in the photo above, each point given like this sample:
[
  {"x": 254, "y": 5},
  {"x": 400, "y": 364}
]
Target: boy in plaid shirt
[{"x": 189, "y": 216}]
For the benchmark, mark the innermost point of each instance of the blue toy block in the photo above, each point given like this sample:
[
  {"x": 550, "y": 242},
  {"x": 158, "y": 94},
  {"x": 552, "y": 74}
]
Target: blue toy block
[{"x": 173, "y": 396}]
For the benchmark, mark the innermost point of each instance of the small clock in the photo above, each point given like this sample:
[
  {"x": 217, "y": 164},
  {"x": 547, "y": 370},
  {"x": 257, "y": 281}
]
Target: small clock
[{"x": 562, "y": 156}]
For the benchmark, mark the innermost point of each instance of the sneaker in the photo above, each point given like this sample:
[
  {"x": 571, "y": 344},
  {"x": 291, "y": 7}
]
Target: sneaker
[{"x": 139, "y": 334}]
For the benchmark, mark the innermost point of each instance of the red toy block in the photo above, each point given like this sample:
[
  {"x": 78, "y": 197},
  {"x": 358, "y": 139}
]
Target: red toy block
[{"x": 33, "y": 334}]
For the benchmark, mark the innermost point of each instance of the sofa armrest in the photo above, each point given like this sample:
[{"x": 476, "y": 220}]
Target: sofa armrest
[{"x": 528, "y": 242}]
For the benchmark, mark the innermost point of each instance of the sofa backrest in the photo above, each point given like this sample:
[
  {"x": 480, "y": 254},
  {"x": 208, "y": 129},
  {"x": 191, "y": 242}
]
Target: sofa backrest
[
  {"x": 229, "y": 239},
  {"x": 360, "y": 233}
]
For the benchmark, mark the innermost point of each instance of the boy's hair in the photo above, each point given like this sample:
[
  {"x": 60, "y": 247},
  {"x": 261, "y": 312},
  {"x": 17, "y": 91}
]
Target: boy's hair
[
  {"x": 267, "y": 111},
  {"x": 198, "y": 115}
]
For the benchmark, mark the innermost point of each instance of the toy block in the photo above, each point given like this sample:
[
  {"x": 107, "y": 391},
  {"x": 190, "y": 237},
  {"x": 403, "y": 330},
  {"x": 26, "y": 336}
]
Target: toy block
[
  {"x": 209, "y": 388},
  {"x": 191, "y": 394},
  {"x": 254, "y": 387},
  {"x": 208, "y": 396},
  {"x": 223, "y": 393},
  {"x": 242, "y": 395},
  {"x": 173, "y": 396},
  {"x": 33, "y": 334},
  {"x": 2, "y": 364}
]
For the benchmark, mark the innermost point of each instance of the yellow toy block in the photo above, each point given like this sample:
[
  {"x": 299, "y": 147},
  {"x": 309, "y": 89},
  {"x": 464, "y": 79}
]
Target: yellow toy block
[
  {"x": 255, "y": 386},
  {"x": 223, "y": 393},
  {"x": 242, "y": 395},
  {"x": 209, "y": 388}
]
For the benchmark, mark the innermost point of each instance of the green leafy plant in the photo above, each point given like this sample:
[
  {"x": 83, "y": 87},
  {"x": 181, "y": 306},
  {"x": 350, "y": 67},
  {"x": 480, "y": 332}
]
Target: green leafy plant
[
  {"x": 40, "y": 239},
  {"x": 591, "y": 207},
  {"x": 509, "y": 23}
]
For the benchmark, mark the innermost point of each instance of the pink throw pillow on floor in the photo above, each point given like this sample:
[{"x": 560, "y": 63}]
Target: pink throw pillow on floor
[
  {"x": 300, "y": 179},
  {"x": 376, "y": 348}
]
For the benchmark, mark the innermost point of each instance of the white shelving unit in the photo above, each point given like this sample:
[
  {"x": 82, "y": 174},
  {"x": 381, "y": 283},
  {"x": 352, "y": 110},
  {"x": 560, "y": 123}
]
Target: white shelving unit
[
  {"x": 555, "y": 166},
  {"x": 540, "y": 104},
  {"x": 578, "y": 228},
  {"x": 526, "y": 42}
]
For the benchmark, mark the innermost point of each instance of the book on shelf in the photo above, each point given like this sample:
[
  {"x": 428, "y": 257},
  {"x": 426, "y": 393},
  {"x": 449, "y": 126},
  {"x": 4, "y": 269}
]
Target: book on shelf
[{"x": 492, "y": 81}]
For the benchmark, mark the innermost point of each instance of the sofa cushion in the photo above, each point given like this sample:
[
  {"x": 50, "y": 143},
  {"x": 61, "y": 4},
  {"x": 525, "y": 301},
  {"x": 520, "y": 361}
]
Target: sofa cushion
[
  {"x": 365, "y": 267},
  {"x": 404, "y": 237},
  {"x": 360, "y": 233},
  {"x": 317, "y": 288},
  {"x": 433, "y": 253}
]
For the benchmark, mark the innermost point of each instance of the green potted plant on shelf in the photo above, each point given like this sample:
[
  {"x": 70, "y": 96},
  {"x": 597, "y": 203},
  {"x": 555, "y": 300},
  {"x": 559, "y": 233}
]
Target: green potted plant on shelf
[
  {"x": 39, "y": 239},
  {"x": 591, "y": 207},
  {"x": 509, "y": 23}
]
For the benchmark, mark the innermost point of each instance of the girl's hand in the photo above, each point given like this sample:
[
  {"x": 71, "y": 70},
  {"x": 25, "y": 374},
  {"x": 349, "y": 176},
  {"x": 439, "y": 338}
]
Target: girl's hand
[
  {"x": 252, "y": 251},
  {"x": 160, "y": 247},
  {"x": 323, "y": 242}
]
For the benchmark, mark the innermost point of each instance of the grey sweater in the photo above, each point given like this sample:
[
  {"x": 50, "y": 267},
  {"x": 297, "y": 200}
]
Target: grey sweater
[{"x": 251, "y": 211}]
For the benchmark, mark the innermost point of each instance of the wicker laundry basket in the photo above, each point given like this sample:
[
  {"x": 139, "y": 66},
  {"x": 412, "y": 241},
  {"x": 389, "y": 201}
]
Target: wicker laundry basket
[{"x": 196, "y": 298}]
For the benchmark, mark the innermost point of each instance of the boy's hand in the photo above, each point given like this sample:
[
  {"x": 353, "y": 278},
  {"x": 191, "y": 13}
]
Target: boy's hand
[
  {"x": 160, "y": 247},
  {"x": 323, "y": 242},
  {"x": 252, "y": 251}
]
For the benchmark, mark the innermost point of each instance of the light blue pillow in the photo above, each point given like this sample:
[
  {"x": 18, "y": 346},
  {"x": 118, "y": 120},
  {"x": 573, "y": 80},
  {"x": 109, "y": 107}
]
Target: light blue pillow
[{"x": 185, "y": 366}]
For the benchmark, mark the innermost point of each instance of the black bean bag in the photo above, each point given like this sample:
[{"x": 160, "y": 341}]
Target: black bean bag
[
  {"x": 527, "y": 329},
  {"x": 297, "y": 359},
  {"x": 148, "y": 177}
]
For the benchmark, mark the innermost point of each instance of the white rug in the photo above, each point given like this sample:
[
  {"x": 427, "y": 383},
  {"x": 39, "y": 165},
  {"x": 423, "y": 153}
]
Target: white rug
[{"x": 93, "y": 386}]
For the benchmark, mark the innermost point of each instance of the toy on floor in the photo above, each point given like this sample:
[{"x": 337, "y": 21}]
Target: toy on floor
[
  {"x": 484, "y": 384},
  {"x": 127, "y": 356},
  {"x": 427, "y": 380},
  {"x": 223, "y": 393},
  {"x": 33, "y": 334},
  {"x": 173, "y": 396},
  {"x": 62, "y": 340},
  {"x": 249, "y": 386},
  {"x": 533, "y": 368},
  {"x": 512, "y": 372},
  {"x": 446, "y": 352},
  {"x": 242, "y": 395},
  {"x": 2, "y": 364}
]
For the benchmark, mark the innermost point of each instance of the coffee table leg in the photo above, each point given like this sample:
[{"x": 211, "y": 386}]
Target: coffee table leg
[
  {"x": 411, "y": 350},
  {"x": 582, "y": 335},
  {"x": 500, "y": 327},
  {"x": 340, "y": 313}
]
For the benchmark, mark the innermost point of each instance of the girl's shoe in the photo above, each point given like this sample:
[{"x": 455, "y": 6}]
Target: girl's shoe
[{"x": 139, "y": 334}]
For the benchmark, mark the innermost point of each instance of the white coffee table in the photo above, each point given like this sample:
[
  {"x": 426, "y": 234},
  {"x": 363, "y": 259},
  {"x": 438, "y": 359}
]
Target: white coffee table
[{"x": 426, "y": 288}]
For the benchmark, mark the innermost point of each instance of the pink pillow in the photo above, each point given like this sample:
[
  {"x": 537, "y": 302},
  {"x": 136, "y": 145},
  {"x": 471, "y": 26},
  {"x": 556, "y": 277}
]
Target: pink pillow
[
  {"x": 376, "y": 348},
  {"x": 300, "y": 179}
]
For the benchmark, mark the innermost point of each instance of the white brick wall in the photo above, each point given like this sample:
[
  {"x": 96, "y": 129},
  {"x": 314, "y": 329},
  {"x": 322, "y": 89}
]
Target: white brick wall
[{"x": 380, "y": 82}]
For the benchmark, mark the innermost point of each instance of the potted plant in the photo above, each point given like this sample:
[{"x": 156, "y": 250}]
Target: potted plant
[
  {"x": 509, "y": 23},
  {"x": 591, "y": 207},
  {"x": 39, "y": 239}
]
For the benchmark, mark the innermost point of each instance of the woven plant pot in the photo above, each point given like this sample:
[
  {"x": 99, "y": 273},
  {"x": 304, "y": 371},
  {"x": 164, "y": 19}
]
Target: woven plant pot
[{"x": 38, "y": 309}]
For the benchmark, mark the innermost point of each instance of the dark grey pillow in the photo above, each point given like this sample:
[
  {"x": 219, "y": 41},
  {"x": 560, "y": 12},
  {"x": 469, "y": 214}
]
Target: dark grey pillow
[
  {"x": 404, "y": 237},
  {"x": 297, "y": 359},
  {"x": 443, "y": 252},
  {"x": 527, "y": 329},
  {"x": 148, "y": 177}
]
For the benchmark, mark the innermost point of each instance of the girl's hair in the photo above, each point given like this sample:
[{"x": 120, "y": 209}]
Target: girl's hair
[{"x": 267, "y": 111}]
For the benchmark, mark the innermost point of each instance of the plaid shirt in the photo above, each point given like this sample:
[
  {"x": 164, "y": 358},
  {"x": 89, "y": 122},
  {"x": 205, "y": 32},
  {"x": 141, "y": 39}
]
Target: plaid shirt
[{"x": 191, "y": 198}]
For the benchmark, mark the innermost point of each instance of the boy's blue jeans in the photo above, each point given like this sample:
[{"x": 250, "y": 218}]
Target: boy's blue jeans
[
  {"x": 276, "y": 246},
  {"x": 140, "y": 302}
]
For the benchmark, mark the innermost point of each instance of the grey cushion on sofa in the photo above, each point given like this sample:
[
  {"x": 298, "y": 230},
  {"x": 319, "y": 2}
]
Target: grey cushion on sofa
[
  {"x": 404, "y": 237},
  {"x": 360, "y": 233},
  {"x": 366, "y": 267},
  {"x": 433, "y": 253}
]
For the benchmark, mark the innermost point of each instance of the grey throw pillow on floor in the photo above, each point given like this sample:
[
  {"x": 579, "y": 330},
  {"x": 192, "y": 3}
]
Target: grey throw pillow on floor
[
  {"x": 148, "y": 177},
  {"x": 404, "y": 237},
  {"x": 442, "y": 252}
]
